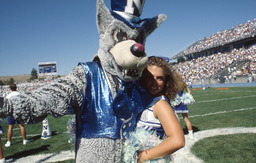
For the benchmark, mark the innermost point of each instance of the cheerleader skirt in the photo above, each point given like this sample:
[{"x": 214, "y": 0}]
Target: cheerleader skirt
[{"x": 181, "y": 108}]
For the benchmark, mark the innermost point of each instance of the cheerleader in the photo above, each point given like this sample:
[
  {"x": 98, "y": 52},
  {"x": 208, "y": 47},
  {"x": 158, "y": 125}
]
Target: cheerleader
[
  {"x": 158, "y": 133},
  {"x": 181, "y": 101}
]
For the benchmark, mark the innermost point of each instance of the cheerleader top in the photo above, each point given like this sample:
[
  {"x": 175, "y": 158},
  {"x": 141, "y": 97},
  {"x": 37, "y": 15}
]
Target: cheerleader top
[{"x": 148, "y": 120}]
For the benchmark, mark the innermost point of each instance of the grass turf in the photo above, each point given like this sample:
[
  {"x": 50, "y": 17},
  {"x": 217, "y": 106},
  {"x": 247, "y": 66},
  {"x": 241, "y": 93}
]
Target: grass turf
[{"x": 232, "y": 107}]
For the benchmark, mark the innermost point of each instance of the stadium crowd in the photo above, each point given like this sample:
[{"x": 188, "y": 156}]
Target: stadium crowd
[
  {"x": 24, "y": 86},
  {"x": 203, "y": 68},
  {"x": 198, "y": 69},
  {"x": 239, "y": 32}
]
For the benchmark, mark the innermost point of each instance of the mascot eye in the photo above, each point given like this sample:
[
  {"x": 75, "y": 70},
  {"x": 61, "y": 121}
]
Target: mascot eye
[{"x": 119, "y": 36}]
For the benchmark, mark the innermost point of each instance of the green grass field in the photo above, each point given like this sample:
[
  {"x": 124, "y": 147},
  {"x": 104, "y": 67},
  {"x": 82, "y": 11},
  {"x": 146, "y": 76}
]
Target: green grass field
[{"x": 227, "y": 108}]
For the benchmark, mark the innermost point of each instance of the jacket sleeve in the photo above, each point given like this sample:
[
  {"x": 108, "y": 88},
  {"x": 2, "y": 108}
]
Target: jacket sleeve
[{"x": 63, "y": 96}]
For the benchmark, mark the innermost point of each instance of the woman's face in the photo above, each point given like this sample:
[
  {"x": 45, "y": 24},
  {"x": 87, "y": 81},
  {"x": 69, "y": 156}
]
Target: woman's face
[{"x": 154, "y": 80}]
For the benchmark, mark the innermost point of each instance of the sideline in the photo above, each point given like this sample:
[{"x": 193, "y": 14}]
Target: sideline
[
  {"x": 45, "y": 158},
  {"x": 183, "y": 155}
]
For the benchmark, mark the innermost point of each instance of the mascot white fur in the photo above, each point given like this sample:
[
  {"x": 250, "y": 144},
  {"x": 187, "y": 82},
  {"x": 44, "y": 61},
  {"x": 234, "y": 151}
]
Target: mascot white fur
[{"x": 102, "y": 93}]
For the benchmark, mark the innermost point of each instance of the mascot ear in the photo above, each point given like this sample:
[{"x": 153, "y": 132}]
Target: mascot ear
[
  {"x": 104, "y": 16},
  {"x": 153, "y": 23}
]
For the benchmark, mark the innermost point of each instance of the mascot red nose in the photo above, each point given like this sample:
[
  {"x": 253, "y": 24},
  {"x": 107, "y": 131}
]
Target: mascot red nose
[{"x": 103, "y": 94}]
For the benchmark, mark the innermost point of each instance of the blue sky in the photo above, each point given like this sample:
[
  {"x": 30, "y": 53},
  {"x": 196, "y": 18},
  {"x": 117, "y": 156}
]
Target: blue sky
[{"x": 65, "y": 31}]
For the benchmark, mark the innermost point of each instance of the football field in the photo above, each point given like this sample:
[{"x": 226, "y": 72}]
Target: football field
[{"x": 223, "y": 119}]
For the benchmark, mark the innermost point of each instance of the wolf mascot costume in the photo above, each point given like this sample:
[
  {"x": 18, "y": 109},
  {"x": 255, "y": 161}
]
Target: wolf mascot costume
[{"x": 102, "y": 93}]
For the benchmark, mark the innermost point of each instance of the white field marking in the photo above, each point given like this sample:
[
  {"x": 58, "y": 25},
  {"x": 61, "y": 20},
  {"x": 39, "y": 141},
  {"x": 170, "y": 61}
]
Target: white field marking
[
  {"x": 222, "y": 112},
  {"x": 46, "y": 158},
  {"x": 225, "y": 99},
  {"x": 221, "y": 92},
  {"x": 18, "y": 137},
  {"x": 183, "y": 155},
  {"x": 30, "y": 135},
  {"x": 225, "y": 91}
]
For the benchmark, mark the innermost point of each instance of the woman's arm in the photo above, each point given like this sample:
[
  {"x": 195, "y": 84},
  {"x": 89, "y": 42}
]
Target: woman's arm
[
  {"x": 188, "y": 90},
  {"x": 175, "y": 136}
]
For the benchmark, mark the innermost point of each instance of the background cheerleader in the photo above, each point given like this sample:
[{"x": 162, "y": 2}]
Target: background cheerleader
[{"x": 181, "y": 101}]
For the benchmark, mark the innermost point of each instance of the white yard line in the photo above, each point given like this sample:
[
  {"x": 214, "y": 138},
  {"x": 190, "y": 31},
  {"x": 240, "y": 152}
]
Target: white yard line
[
  {"x": 222, "y": 112},
  {"x": 183, "y": 155},
  {"x": 225, "y": 99}
]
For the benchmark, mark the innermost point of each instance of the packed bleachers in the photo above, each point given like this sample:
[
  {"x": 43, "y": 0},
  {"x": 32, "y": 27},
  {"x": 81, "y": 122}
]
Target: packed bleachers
[
  {"x": 221, "y": 38},
  {"x": 204, "y": 68},
  {"x": 25, "y": 86}
]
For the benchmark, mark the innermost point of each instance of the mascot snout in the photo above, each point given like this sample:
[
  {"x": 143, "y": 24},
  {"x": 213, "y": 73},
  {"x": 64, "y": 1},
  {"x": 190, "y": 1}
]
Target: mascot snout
[
  {"x": 130, "y": 57},
  {"x": 138, "y": 50}
]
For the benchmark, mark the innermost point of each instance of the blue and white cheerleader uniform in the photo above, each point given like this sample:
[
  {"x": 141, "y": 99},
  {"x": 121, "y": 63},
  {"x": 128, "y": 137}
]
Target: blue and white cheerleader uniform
[
  {"x": 181, "y": 108},
  {"x": 181, "y": 101},
  {"x": 148, "y": 134}
]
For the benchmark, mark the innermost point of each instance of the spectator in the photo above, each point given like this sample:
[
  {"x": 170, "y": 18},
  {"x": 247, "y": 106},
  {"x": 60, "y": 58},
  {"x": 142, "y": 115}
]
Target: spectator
[
  {"x": 230, "y": 78},
  {"x": 11, "y": 121}
]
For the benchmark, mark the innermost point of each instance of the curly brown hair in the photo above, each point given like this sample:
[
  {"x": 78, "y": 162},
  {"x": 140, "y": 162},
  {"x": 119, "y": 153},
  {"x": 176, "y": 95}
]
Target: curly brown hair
[
  {"x": 180, "y": 84},
  {"x": 170, "y": 84}
]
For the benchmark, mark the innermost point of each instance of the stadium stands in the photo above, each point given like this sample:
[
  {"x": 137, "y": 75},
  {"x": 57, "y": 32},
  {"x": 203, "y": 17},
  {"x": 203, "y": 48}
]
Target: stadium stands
[
  {"x": 220, "y": 66},
  {"x": 223, "y": 56},
  {"x": 234, "y": 37}
]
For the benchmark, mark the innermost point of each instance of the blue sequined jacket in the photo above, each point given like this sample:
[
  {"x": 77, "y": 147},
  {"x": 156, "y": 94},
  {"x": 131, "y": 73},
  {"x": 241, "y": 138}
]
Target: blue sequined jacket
[{"x": 105, "y": 116}]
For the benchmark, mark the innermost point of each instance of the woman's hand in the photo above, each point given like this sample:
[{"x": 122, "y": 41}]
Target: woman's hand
[{"x": 142, "y": 156}]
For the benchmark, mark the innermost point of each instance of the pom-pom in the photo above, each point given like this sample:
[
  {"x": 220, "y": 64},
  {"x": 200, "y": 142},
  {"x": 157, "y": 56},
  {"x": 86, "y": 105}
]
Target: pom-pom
[
  {"x": 176, "y": 101},
  {"x": 187, "y": 99},
  {"x": 71, "y": 126},
  {"x": 141, "y": 140}
]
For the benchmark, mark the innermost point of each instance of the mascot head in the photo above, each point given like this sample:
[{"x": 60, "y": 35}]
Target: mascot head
[{"x": 122, "y": 37}]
